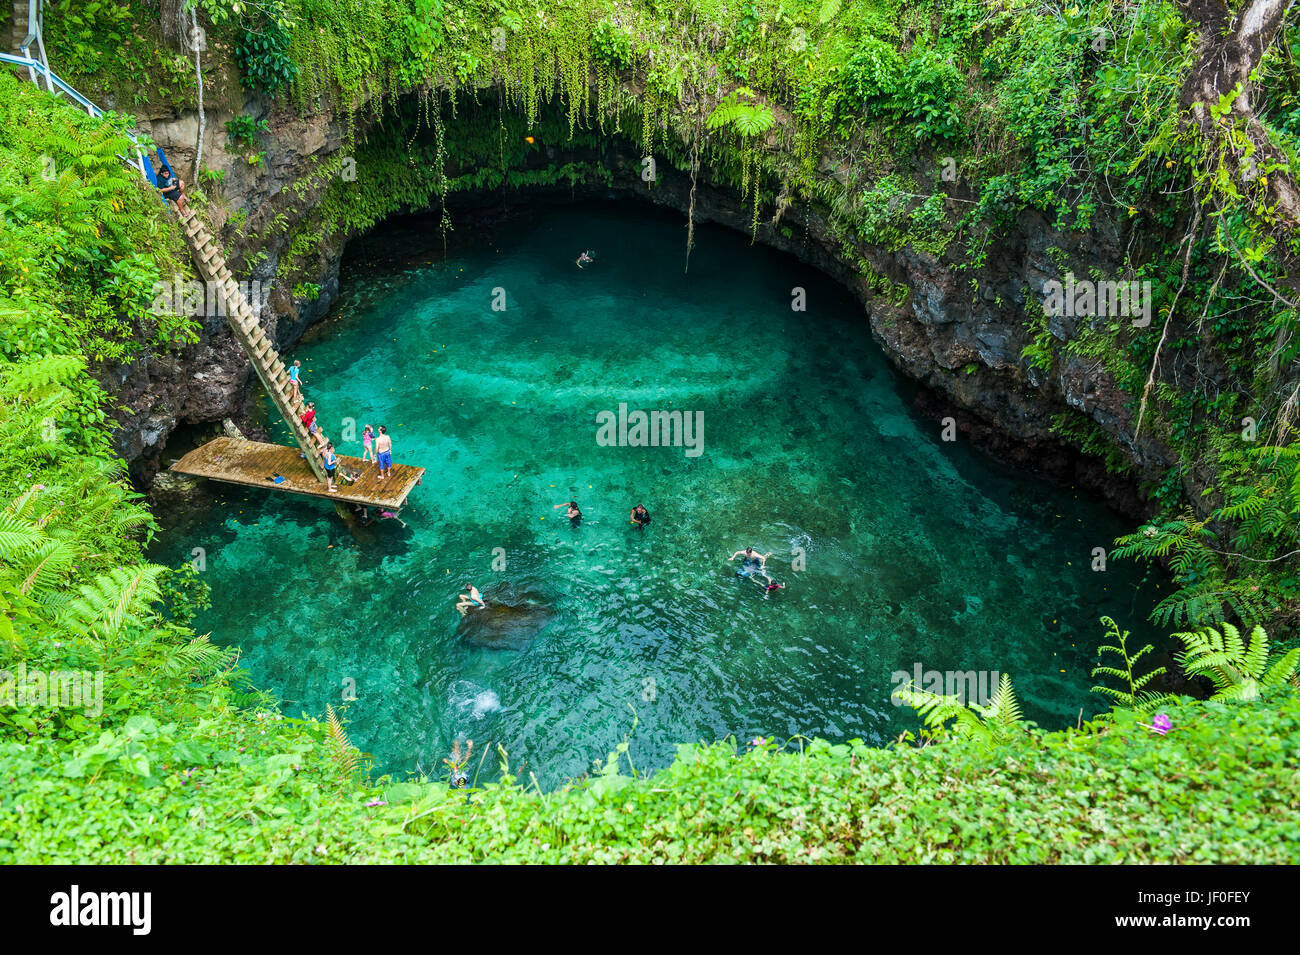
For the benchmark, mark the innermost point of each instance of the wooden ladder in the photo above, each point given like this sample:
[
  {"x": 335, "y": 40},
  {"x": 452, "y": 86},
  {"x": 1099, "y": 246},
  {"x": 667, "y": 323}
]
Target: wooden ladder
[{"x": 255, "y": 342}]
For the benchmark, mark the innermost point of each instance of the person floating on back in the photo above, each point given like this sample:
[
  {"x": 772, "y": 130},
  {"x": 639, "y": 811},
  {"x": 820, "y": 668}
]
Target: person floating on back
[
  {"x": 640, "y": 517},
  {"x": 575, "y": 515},
  {"x": 752, "y": 562},
  {"x": 384, "y": 453},
  {"x": 469, "y": 601},
  {"x": 172, "y": 188},
  {"x": 295, "y": 386},
  {"x": 584, "y": 259},
  {"x": 367, "y": 444}
]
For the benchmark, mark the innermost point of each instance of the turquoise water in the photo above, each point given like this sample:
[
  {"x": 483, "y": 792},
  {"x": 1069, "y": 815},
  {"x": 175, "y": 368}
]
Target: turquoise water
[{"x": 917, "y": 551}]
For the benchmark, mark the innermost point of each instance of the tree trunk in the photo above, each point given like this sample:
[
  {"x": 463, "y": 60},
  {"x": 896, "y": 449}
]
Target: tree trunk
[
  {"x": 175, "y": 25},
  {"x": 1231, "y": 48},
  {"x": 197, "y": 41}
]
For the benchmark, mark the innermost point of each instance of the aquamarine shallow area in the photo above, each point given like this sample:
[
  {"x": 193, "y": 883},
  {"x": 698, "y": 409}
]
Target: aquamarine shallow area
[{"x": 917, "y": 551}]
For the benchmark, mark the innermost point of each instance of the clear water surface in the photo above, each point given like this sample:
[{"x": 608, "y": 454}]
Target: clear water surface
[{"x": 917, "y": 551}]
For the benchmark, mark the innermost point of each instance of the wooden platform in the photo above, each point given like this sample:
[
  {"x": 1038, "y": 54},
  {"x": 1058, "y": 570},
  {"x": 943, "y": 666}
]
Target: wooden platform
[{"x": 251, "y": 463}]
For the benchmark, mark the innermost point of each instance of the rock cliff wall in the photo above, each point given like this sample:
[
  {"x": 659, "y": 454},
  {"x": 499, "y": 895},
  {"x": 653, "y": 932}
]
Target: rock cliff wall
[{"x": 963, "y": 346}]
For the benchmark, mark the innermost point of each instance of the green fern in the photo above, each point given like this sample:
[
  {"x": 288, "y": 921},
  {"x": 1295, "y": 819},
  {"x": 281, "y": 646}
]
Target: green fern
[
  {"x": 1136, "y": 697},
  {"x": 345, "y": 755},
  {"x": 1241, "y": 669},
  {"x": 111, "y": 601},
  {"x": 739, "y": 111},
  {"x": 986, "y": 725}
]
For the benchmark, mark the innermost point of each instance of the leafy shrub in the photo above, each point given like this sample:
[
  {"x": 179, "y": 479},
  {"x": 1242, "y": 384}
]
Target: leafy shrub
[
  {"x": 611, "y": 45},
  {"x": 92, "y": 32},
  {"x": 263, "y": 57},
  {"x": 244, "y": 130},
  {"x": 873, "y": 77}
]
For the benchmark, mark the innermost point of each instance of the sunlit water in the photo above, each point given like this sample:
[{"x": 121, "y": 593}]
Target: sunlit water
[{"x": 917, "y": 551}]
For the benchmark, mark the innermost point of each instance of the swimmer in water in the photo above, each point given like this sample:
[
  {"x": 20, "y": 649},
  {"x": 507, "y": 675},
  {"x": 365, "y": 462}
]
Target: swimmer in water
[
  {"x": 467, "y": 602},
  {"x": 640, "y": 517},
  {"x": 752, "y": 562},
  {"x": 584, "y": 259},
  {"x": 575, "y": 515},
  {"x": 456, "y": 763}
]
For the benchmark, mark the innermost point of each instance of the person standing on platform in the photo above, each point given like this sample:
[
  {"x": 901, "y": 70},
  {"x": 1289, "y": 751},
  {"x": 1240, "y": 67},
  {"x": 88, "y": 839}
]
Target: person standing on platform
[
  {"x": 331, "y": 465},
  {"x": 384, "y": 453}
]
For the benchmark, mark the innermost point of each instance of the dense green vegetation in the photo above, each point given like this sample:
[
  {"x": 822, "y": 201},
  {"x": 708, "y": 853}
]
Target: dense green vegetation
[{"x": 1069, "y": 114}]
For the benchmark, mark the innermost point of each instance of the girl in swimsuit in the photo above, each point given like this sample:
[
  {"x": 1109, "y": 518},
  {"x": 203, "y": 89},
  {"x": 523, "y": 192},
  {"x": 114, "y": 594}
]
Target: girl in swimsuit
[
  {"x": 467, "y": 602},
  {"x": 331, "y": 465},
  {"x": 367, "y": 447}
]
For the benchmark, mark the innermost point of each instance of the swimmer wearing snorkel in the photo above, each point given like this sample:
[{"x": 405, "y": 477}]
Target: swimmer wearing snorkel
[{"x": 584, "y": 259}]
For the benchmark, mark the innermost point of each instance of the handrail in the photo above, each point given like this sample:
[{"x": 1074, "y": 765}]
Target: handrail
[{"x": 53, "y": 80}]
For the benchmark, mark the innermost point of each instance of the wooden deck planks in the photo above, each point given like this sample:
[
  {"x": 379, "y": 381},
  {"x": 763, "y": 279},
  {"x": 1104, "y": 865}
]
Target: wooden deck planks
[{"x": 238, "y": 461}]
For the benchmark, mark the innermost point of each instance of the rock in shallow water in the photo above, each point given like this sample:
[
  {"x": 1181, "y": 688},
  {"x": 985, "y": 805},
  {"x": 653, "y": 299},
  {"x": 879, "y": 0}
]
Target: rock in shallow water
[
  {"x": 512, "y": 618},
  {"x": 171, "y": 489}
]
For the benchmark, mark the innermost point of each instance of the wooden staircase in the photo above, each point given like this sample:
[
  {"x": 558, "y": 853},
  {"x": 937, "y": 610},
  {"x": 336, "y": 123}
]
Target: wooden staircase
[
  {"x": 17, "y": 26},
  {"x": 255, "y": 342}
]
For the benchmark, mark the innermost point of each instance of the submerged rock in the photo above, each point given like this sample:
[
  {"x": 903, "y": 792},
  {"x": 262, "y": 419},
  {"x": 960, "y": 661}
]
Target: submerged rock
[
  {"x": 171, "y": 489},
  {"x": 512, "y": 618}
]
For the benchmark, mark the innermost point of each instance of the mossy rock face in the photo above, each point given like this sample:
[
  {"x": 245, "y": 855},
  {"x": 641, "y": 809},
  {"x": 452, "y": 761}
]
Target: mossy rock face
[{"x": 513, "y": 617}]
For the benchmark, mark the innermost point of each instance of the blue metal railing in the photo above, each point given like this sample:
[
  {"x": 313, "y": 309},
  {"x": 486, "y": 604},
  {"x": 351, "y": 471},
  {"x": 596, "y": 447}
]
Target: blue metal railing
[{"x": 57, "y": 85}]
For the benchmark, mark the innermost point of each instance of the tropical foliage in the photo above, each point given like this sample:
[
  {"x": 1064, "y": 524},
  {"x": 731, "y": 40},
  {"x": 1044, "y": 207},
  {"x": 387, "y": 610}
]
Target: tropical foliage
[
  {"x": 1241, "y": 668},
  {"x": 904, "y": 124}
]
